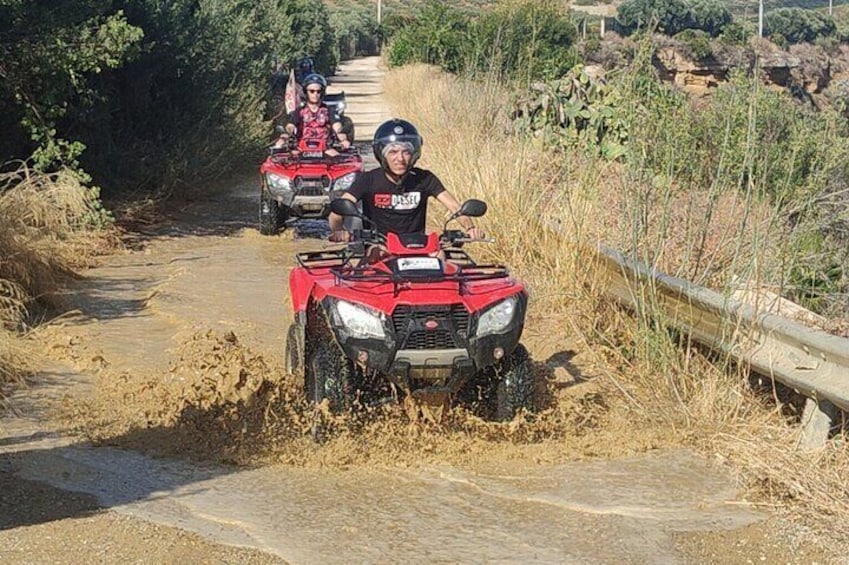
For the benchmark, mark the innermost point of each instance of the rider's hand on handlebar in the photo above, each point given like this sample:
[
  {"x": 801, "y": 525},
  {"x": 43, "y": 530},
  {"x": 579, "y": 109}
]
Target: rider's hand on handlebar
[
  {"x": 345, "y": 144},
  {"x": 476, "y": 233},
  {"x": 340, "y": 236}
]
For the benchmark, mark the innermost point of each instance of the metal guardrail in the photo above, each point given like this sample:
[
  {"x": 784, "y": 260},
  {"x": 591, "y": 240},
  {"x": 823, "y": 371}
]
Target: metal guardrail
[{"x": 812, "y": 362}]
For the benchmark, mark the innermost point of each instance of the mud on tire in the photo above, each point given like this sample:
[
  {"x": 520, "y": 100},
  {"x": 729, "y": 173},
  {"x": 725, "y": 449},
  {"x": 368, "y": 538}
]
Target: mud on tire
[
  {"x": 271, "y": 214},
  {"x": 515, "y": 388},
  {"x": 295, "y": 350},
  {"x": 328, "y": 373}
]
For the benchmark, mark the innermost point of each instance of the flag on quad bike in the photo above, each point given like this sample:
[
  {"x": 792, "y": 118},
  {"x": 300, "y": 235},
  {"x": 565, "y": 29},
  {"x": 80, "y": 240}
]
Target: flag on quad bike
[{"x": 294, "y": 93}]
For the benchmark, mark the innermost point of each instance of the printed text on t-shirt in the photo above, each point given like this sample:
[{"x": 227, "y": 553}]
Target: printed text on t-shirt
[{"x": 407, "y": 201}]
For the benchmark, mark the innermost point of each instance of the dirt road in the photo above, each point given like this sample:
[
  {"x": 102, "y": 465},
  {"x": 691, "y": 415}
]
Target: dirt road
[{"x": 153, "y": 437}]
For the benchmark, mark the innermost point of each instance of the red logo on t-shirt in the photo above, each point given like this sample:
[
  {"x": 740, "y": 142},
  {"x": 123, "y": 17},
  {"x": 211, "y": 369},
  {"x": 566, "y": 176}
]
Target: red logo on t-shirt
[{"x": 383, "y": 200}]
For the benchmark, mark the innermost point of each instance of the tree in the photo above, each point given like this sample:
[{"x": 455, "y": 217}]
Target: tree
[
  {"x": 526, "y": 39},
  {"x": 48, "y": 56},
  {"x": 664, "y": 16},
  {"x": 797, "y": 25},
  {"x": 710, "y": 16},
  {"x": 673, "y": 16}
]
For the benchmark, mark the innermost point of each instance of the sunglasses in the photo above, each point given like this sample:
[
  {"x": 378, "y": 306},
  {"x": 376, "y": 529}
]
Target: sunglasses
[{"x": 311, "y": 91}]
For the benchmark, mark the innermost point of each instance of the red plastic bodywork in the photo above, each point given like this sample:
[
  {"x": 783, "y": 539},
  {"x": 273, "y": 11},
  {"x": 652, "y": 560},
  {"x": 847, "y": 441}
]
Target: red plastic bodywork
[
  {"x": 294, "y": 164},
  {"x": 395, "y": 247},
  {"x": 316, "y": 283}
]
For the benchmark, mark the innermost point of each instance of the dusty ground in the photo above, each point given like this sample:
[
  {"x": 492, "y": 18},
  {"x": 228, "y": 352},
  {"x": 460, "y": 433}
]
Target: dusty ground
[{"x": 169, "y": 413}]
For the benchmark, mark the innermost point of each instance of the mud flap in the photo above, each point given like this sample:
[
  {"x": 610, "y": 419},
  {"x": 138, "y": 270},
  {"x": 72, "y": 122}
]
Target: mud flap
[{"x": 295, "y": 349}]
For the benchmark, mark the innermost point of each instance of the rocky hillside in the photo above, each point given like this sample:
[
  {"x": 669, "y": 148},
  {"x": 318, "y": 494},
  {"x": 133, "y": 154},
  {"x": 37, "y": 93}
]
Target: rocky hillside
[{"x": 809, "y": 72}]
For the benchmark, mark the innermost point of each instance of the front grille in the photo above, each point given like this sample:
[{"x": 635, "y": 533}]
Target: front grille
[
  {"x": 431, "y": 339},
  {"x": 312, "y": 186},
  {"x": 409, "y": 324}
]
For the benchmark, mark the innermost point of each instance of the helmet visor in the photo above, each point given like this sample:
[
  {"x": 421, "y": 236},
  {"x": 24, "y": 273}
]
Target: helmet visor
[{"x": 398, "y": 146}]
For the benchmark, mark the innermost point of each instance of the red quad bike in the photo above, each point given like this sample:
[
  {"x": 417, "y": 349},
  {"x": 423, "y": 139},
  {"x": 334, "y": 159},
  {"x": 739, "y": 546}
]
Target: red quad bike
[
  {"x": 301, "y": 180},
  {"x": 423, "y": 319}
]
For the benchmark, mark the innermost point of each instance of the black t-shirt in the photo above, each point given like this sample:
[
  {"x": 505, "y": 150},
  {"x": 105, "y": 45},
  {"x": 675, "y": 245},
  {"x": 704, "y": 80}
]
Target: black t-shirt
[{"x": 396, "y": 208}]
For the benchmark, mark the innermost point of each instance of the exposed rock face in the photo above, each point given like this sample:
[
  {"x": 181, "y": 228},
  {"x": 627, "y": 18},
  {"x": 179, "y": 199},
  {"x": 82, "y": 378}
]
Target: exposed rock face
[
  {"x": 805, "y": 70},
  {"x": 696, "y": 77}
]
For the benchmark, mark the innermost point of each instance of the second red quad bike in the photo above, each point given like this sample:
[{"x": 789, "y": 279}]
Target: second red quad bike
[
  {"x": 301, "y": 181},
  {"x": 410, "y": 317}
]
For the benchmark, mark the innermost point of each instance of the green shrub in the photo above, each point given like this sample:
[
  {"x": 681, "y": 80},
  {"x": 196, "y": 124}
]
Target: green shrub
[
  {"x": 437, "y": 36},
  {"x": 696, "y": 42},
  {"x": 797, "y": 25},
  {"x": 525, "y": 39},
  {"x": 517, "y": 39},
  {"x": 577, "y": 111}
]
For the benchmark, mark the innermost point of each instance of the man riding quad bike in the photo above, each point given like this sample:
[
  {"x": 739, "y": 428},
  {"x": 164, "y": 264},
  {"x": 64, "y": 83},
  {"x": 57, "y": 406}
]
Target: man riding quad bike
[
  {"x": 419, "y": 319},
  {"x": 309, "y": 163},
  {"x": 424, "y": 322}
]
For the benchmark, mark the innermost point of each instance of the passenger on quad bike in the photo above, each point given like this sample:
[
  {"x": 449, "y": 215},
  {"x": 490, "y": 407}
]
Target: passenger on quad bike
[
  {"x": 395, "y": 195},
  {"x": 314, "y": 120}
]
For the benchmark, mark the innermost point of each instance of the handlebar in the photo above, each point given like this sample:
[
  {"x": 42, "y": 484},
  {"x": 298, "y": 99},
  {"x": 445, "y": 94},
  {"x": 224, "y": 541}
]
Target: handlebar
[
  {"x": 448, "y": 238},
  {"x": 292, "y": 149}
]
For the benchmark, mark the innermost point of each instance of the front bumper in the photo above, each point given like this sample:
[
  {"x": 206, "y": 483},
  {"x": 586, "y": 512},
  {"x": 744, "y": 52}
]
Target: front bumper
[
  {"x": 446, "y": 368},
  {"x": 307, "y": 206}
]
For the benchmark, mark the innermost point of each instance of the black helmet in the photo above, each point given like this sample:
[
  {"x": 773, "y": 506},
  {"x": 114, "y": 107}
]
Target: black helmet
[
  {"x": 315, "y": 78},
  {"x": 396, "y": 131},
  {"x": 305, "y": 65}
]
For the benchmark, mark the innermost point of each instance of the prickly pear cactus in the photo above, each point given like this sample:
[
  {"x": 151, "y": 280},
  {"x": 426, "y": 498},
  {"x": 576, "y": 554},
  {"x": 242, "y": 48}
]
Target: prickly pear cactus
[{"x": 580, "y": 110}]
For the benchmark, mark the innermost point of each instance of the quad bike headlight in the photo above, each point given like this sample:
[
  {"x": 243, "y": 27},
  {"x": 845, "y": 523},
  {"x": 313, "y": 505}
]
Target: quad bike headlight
[
  {"x": 497, "y": 317},
  {"x": 278, "y": 182},
  {"x": 344, "y": 182},
  {"x": 359, "y": 321}
]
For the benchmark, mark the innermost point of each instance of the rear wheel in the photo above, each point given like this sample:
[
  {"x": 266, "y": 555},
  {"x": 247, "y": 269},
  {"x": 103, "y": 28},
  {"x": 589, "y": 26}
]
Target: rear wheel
[{"x": 515, "y": 389}]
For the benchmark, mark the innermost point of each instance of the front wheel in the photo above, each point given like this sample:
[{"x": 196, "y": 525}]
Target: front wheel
[
  {"x": 271, "y": 214},
  {"x": 330, "y": 375},
  {"x": 295, "y": 350},
  {"x": 515, "y": 389}
]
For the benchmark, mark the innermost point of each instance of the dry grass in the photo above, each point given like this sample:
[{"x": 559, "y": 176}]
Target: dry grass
[
  {"x": 43, "y": 236},
  {"x": 709, "y": 236}
]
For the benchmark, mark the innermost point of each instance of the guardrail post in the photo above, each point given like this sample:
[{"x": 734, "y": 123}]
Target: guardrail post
[{"x": 817, "y": 419}]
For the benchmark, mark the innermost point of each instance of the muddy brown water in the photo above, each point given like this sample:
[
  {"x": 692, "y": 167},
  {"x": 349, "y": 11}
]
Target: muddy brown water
[{"x": 207, "y": 269}]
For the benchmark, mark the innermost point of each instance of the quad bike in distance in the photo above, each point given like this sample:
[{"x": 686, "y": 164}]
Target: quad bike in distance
[
  {"x": 419, "y": 320},
  {"x": 300, "y": 180},
  {"x": 337, "y": 101}
]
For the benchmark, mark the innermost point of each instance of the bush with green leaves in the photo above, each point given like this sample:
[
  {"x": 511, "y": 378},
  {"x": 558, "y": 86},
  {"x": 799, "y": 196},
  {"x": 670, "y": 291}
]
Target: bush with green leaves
[
  {"x": 438, "y": 36},
  {"x": 709, "y": 16},
  {"x": 579, "y": 111},
  {"x": 51, "y": 56},
  {"x": 696, "y": 43},
  {"x": 663, "y": 16},
  {"x": 525, "y": 40},
  {"x": 356, "y": 32},
  {"x": 152, "y": 93},
  {"x": 674, "y": 16},
  {"x": 737, "y": 33},
  {"x": 767, "y": 147},
  {"x": 798, "y": 25},
  {"x": 518, "y": 39}
]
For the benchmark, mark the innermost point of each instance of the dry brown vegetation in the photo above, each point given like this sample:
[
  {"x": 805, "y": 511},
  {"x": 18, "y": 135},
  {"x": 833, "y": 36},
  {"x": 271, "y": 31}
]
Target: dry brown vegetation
[
  {"x": 649, "y": 381},
  {"x": 44, "y": 235}
]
